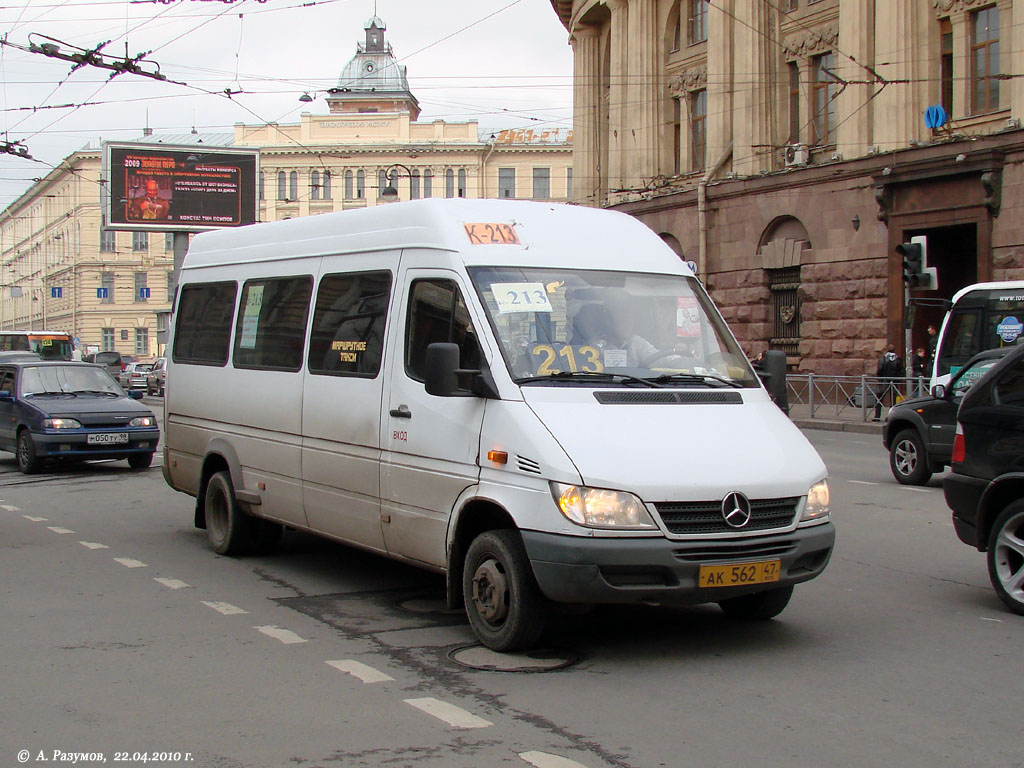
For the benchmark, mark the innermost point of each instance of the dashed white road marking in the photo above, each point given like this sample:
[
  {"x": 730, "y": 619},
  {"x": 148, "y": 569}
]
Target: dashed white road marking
[
  {"x": 35, "y": 519},
  {"x": 226, "y": 608},
  {"x": 545, "y": 760},
  {"x": 93, "y": 545},
  {"x": 286, "y": 636},
  {"x": 364, "y": 672},
  {"x": 58, "y": 529},
  {"x": 861, "y": 482},
  {"x": 128, "y": 562},
  {"x": 455, "y": 716},
  {"x": 917, "y": 490},
  {"x": 172, "y": 583},
  {"x": 10, "y": 508},
  {"x": 985, "y": 618}
]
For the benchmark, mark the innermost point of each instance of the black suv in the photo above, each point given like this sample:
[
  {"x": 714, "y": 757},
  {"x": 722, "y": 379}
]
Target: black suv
[
  {"x": 985, "y": 490},
  {"x": 918, "y": 433}
]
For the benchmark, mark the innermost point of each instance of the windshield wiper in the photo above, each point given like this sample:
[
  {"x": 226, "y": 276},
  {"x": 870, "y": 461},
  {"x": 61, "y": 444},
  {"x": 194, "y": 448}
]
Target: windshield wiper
[
  {"x": 620, "y": 378},
  {"x": 93, "y": 392},
  {"x": 51, "y": 394},
  {"x": 695, "y": 378}
]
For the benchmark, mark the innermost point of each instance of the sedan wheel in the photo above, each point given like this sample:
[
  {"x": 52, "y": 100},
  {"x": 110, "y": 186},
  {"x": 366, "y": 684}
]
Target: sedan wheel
[
  {"x": 908, "y": 459},
  {"x": 1006, "y": 557},
  {"x": 28, "y": 462}
]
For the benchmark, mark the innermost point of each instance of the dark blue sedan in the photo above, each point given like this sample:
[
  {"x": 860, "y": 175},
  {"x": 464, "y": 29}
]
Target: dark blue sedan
[{"x": 76, "y": 411}]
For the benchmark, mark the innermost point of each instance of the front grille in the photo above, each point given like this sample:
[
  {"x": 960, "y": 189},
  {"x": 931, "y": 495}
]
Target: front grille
[
  {"x": 727, "y": 552},
  {"x": 686, "y": 518}
]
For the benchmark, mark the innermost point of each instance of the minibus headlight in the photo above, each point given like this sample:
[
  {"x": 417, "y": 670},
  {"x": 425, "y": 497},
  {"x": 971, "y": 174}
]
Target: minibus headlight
[
  {"x": 816, "y": 507},
  {"x": 601, "y": 508},
  {"x": 142, "y": 421},
  {"x": 62, "y": 424}
]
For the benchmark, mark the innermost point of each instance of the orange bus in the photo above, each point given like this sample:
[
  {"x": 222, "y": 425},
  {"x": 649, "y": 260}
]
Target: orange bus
[{"x": 52, "y": 345}]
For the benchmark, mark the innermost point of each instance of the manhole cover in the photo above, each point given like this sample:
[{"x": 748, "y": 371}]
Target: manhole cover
[
  {"x": 436, "y": 605},
  {"x": 541, "y": 660}
]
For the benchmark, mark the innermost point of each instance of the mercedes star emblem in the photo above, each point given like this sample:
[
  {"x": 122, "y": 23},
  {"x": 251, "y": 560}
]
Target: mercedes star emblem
[{"x": 736, "y": 510}]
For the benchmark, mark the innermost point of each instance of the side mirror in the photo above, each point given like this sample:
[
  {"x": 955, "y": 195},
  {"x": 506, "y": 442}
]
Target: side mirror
[
  {"x": 773, "y": 367},
  {"x": 442, "y": 369},
  {"x": 939, "y": 391}
]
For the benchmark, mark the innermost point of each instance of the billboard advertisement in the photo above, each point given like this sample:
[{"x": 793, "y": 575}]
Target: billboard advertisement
[{"x": 158, "y": 187}]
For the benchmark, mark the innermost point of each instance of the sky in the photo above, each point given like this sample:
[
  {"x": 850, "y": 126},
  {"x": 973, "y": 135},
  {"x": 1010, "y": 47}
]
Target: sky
[{"x": 504, "y": 63}]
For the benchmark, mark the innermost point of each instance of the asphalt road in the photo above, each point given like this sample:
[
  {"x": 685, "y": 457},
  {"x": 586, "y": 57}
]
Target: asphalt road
[{"x": 122, "y": 633}]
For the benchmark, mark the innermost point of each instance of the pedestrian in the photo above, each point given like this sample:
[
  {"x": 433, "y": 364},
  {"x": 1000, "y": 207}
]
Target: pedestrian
[
  {"x": 933, "y": 340},
  {"x": 919, "y": 367},
  {"x": 890, "y": 370}
]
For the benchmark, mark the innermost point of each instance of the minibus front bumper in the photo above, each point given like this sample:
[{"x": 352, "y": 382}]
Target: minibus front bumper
[{"x": 575, "y": 569}]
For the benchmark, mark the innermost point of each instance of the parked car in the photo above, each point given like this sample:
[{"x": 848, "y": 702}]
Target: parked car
[
  {"x": 134, "y": 375},
  {"x": 110, "y": 359},
  {"x": 985, "y": 490},
  {"x": 73, "y": 411},
  {"x": 12, "y": 356},
  {"x": 918, "y": 432},
  {"x": 156, "y": 377}
]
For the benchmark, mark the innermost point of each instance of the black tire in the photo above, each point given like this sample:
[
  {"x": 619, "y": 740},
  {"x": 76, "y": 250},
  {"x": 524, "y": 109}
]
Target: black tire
[
  {"x": 28, "y": 461},
  {"x": 908, "y": 458},
  {"x": 140, "y": 460},
  {"x": 228, "y": 528},
  {"x": 1006, "y": 557},
  {"x": 759, "y": 606},
  {"x": 504, "y": 605}
]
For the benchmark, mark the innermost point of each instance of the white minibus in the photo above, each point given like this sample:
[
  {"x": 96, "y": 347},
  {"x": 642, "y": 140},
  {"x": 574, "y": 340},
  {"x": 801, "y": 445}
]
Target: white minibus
[{"x": 538, "y": 400}]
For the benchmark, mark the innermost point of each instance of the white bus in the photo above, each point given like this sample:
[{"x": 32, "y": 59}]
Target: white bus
[{"x": 983, "y": 316}]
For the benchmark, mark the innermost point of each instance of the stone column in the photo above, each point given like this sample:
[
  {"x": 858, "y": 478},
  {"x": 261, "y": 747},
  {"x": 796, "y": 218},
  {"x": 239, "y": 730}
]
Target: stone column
[
  {"x": 586, "y": 115},
  {"x": 901, "y": 33},
  {"x": 752, "y": 96},
  {"x": 619, "y": 96},
  {"x": 642, "y": 94},
  {"x": 718, "y": 124},
  {"x": 854, "y": 107}
]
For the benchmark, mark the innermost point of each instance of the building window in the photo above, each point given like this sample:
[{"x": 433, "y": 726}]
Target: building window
[
  {"x": 326, "y": 188},
  {"x": 698, "y": 136},
  {"x": 348, "y": 185},
  {"x": 677, "y": 30},
  {"x": 541, "y": 183},
  {"x": 107, "y": 339},
  {"x": 794, "y": 103},
  {"x": 360, "y": 184},
  {"x": 168, "y": 241},
  {"x": 141, "y": 287},
  {"x": 449, "y": 183},
  {"x": 985, "y": 60},
  {"x": 293, "y": 186},
  {"x": 428, "y": 182},
  {"x": 506, "y": 182},
  {"x": 170, "y": 285},
  {"x": 784, "y": 285},
  {"x": 140, "y": 241},
  {"x": 107, "y": 285},
  {"x": 462, "y": 182},
  {"x": 282, "y": 190},
  {"x": 824, "y": 98},
  {"x": 314, "y": 185},
  {"x": 382, "y": 181},
  {"x": 946, "y": 66},
  {"x": 696, "y": 22},
  {"x": 263, "y": 181},
  {"x": 568, "y": 183},
  {"x": 788, "y": 5},
  {"x": 414, "y": 185},
  {"x": 141, "y": 341},
  {"x": 677, "y": 136},
  {"x": 108, "y": 241}
]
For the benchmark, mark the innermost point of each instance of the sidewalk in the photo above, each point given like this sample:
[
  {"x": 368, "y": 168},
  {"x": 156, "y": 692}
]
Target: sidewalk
[{"x": 847, "y": 420}]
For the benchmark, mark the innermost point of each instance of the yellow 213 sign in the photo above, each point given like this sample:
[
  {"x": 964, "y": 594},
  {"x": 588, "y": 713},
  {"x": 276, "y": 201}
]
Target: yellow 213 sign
[
  {"x": 585, "y": 358},
  {"x": 482, "y": 233}
]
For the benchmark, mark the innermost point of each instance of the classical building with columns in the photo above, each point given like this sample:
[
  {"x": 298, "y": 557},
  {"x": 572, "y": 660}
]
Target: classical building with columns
[
  {"x": 55, "y": 255},
  {"x": 787, "y": 146}
]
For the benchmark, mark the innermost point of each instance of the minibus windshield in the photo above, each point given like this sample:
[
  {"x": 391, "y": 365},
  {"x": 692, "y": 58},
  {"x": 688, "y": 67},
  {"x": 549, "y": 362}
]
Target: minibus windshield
[{"x": 553, "y": 323}]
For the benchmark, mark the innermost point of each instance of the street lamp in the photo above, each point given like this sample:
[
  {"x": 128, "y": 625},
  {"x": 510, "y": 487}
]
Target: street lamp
[{"x": 390, "y": 193}]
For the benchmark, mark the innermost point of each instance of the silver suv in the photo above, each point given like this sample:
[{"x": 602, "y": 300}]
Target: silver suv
[{"x": 157, "y": 377}]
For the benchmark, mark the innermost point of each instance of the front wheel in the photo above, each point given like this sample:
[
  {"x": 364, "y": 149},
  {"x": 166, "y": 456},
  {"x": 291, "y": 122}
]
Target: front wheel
[
  {"x": 28, "y": 461},
  {"x": 503, "y": 603},
  {"x": 228, "y": 528},
  {"x": 1006, "y": 557},
  {"x": 760, "y": 606},
  {"x": 908, "y": 458}
]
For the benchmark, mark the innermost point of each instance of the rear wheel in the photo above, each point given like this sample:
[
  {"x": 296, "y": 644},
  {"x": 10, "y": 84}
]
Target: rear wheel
[
  {"x": 1006, "y": 557},
  {"x": 908, "y": 458},
  {"x": 28, "y": 462},
  {"x": 504, "y": 605},
  {"x": 759, "y": 606},
  {"x": 228, "y": 528},
  {"x": 140, "y": 460}
]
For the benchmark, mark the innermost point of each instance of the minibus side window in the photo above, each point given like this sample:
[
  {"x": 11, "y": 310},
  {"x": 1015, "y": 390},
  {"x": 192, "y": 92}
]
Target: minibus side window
[
  {"x": 437, "y": 313},
  {"x": 347, "y": 338},
  {"x": 271, "y": 329},
  {"x": 202, "y": 334}
]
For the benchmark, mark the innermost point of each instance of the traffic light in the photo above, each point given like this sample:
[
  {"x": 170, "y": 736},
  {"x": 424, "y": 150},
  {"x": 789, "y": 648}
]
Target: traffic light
[{"x": 916, "y": 272}]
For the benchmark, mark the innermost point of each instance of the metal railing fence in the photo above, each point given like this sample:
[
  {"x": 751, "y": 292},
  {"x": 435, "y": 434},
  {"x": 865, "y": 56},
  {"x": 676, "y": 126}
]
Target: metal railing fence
[{"x": 847, "y": 397}]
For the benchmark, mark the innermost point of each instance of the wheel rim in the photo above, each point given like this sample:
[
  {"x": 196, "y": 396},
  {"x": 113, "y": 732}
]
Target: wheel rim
[
  {"x": 217, "y": 516},
  {"x": 490, "y": 592},
  {"x": 905, "y": 457},
  {"x": 1009, "y": 557},
  {"x": 23, "y": 450}
]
